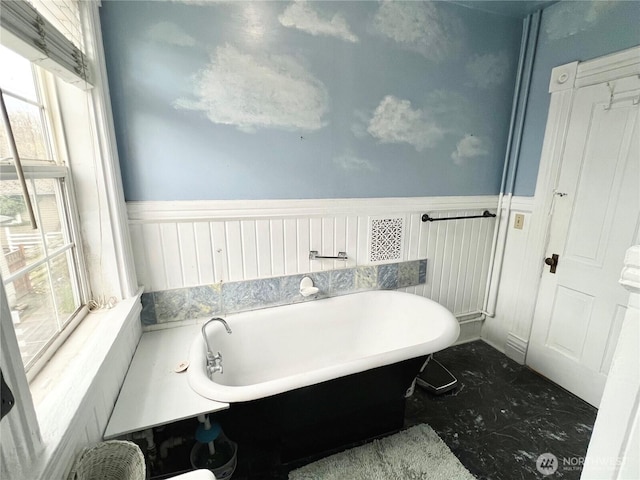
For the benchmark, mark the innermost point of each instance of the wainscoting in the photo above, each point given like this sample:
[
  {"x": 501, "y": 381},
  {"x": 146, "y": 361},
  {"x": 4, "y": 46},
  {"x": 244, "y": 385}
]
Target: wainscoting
[
  {"x": 185, "y": 244},
  {"x": 502, "y": 330}
]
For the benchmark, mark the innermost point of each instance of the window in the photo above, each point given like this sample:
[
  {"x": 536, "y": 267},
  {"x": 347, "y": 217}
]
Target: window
[
  {"x": 41, "y": 268},
  {"x": 65, "y": 119}
]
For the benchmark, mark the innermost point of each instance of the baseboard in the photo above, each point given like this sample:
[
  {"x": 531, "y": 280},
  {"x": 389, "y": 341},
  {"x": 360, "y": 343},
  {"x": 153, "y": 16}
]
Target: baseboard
[
  {"x": 516, "y": 348},
  {"x": 469, "y": 317},
  {"x": 469, "y": 330}
]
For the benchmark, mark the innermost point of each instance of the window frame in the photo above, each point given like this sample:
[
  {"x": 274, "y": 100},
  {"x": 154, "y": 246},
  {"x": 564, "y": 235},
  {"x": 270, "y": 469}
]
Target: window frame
[
  {"x": 43, "y": 445},
  {"x": 58, "y": 169}
]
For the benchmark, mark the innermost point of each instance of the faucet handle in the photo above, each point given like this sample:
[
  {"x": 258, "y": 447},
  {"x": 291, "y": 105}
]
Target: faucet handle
[
  {"x": 214, "y": 363},
  {"x": 211, "y": 357}
]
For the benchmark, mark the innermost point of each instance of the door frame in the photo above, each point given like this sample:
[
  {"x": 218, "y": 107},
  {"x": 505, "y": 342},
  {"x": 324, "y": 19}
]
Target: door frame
[{"x": 564, "y": 81}]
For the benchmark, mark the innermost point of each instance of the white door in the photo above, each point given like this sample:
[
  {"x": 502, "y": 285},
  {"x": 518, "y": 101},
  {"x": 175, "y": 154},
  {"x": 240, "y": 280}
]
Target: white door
[{"x": 594, "y": 219}]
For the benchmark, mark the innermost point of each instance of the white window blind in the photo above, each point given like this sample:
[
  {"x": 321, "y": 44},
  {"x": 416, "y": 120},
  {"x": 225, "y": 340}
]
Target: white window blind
[
  {"x": 64, "y": 15},
  {"x": 30, "y": 31}
]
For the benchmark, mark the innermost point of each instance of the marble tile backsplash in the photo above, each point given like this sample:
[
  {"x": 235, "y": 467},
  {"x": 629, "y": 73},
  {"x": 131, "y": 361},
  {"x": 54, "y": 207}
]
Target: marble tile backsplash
[{"x": 231, "y": 297}]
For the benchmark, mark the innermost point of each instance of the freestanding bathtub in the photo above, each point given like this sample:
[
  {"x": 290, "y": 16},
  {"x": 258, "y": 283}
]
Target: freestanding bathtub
[
  {"x": 278, "y": 349},
  {"x": 318, "y": 374}
]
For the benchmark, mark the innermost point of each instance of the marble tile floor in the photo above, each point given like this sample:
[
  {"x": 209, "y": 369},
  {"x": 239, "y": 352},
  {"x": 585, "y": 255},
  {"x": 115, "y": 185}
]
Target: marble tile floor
[
  {"x": 498, "y": 420},
  {"x": 502, "y": 416}
]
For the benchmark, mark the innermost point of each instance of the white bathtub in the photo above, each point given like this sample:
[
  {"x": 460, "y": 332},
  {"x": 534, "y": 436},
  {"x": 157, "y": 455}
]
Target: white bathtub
[{"x": 279, "y": 349}]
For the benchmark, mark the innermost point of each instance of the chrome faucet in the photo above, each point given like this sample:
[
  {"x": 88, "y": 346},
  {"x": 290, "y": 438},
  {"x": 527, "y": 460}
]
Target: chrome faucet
[{"x": 214, "y": 362}]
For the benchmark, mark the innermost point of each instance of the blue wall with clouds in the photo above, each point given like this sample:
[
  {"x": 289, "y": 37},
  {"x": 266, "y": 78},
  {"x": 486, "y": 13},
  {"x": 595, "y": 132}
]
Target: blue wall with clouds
[
  {"x": 265, "y": 100},
  {"x": 569, "y": 31}
]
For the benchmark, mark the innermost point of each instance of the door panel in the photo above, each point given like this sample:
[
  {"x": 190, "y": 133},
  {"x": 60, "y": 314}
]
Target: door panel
[
  {"x": 594, "y": 220},
  {"x": 569, "y": 322},
  {"x": 599, "y": 182}
]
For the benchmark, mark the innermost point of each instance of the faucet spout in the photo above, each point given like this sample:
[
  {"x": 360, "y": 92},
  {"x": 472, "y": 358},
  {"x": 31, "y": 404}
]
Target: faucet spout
[{"x": 214, "y": 362}]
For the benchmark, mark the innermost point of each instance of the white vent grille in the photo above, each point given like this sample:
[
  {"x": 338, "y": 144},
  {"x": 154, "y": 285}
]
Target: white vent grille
[{"x": 386, "y": 239}]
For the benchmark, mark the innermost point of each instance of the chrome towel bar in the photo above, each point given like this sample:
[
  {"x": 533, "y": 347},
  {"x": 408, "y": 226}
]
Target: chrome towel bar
[{"x": 313, "y": 255}]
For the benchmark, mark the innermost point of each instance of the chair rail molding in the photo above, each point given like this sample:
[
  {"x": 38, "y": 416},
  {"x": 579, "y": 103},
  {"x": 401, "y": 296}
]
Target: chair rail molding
[{"x": 187, "y": 210}]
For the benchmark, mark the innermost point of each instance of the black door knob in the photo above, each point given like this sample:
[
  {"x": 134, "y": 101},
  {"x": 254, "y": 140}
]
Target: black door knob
[{"x": 552, "y": 261}]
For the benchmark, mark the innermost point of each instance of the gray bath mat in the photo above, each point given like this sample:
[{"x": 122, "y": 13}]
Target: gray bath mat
[{"x": 413, "y": 454}]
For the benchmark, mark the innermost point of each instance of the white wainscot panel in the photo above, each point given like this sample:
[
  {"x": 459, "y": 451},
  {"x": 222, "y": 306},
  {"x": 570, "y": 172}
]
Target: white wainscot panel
[
  {"x": 499, "y": 331},
  {"x": 183, "y": 244}
]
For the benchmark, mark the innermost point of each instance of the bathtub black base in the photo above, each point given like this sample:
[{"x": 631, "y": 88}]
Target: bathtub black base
[{"x": 323, "y": 417}]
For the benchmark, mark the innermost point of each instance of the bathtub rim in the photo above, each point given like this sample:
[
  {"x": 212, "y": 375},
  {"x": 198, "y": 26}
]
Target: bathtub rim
[{"x": 200, "y": 383}]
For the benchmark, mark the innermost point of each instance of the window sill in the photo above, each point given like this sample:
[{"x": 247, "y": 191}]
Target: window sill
[
  {"x": 63, "y": 360},
  {"x": 65, "y": 389}
]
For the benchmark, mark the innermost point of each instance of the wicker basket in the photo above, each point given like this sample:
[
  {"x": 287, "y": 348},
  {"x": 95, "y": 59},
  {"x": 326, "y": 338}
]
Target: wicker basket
[{"x": 110, "y": 460}]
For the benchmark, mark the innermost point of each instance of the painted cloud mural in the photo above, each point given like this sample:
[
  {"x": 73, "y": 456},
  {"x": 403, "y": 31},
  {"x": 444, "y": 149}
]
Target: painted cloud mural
[
  {"x": 251, "y": 92},
  {"x": 350, "y": 161},
  {"x": 422, "y": 27},
  {"x": 396, "y": 121},
  {"x": 488, "y": 70},
  {"x": 402, "y": 93},
  {"x": 469, "y": 147},
  {"x": 301, "y": 15},
  {"x": 570, "y": 18},
  {"x": 167, "y": 32}
]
